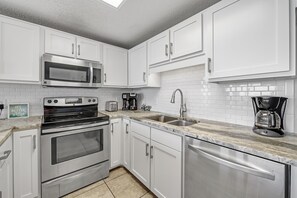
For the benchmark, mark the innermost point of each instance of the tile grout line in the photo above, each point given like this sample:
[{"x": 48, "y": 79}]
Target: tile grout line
[{"x": 109, "y": 189}]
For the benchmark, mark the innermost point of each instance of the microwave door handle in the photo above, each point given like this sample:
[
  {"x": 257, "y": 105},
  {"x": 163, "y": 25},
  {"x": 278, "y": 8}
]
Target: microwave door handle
[{"x": 234, "y": 165}]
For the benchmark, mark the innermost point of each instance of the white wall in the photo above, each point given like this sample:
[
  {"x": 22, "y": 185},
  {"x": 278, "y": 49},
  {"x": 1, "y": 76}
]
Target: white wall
[
  {"x": 34, "y": 94},
  {"x": 227, "y": 102}
]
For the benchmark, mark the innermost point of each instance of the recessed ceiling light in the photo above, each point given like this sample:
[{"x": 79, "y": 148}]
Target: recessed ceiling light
[{"x": 114, "y": 3}]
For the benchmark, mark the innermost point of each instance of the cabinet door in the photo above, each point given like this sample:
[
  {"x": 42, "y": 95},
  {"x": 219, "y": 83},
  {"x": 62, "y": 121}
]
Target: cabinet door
[
  {"x": 166, "y": 180},
  {"x": 59, "y": 43},
  {"x": 115, "y": 138},
  {"x": 294, "y": 182},
  {"x": 158, "y": 49},
  {"x": 138, "y": 65},
  {"x": 248, "y": 37},
  {"x": 186, "y": 38},
  {"x": 20, "y": 51},
  {"x": 115, "y": 63},
  {"x": 6, "y": 181},
  {"x": 140, "y": 158},
  {"x": 25, "y": 150},
  {"x": 126, "y": 143},
  {"x": 89, "y": 50}
]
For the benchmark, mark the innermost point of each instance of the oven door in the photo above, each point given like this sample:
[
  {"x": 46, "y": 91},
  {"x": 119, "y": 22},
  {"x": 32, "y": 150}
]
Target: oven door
[{"x": 69, "y": 149}]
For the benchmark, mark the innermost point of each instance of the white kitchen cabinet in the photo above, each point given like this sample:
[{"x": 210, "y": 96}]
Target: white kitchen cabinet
[
  {"x": 158, "y": 49},
  {"x": 6, "y": 169},
  {"x": 26, "y": 166},
  {"x": 186, "y": 38},
  {"x": 126, "y": 143},
  {"x": 139, "y": 75},
  {"x": 294, "y": 182},
  {"x": 165, "y": 171},
  {"x": 140, "y": 158},
  {"x": 115, "y": 145},
  {"x": 60, "y": 43},
  {"x": 248, "y": 37},
  {"x": 115, "y": 63},
  {"x": 89, "y": 50},
  {"x": 20, "y": 51}
]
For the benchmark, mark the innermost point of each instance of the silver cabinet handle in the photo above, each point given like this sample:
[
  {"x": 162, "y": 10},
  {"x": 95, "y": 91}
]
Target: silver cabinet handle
[
  {"x": 152, "y": 152},
  {"x": 105, "y": 77},
  {"x": 146, "y": 150},
  {"x": 209, "y": 65},
  {"x": 78, "y": 48},
  {"x": 166, "y": 50},
  {"x": 34, "y": 142},
  {"x": 72, "y": 48},
  {"x": 144, "y": 76},
  {"x": 171, "y": 48},
  {"x": 111, "y": 127},
  {"x": 6, "y": 155},
  {"x": 127, "y": 128},
  {"x": 234, "y": 165}
]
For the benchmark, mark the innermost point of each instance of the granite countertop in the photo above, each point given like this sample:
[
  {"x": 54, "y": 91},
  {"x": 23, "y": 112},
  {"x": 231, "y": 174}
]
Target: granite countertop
[
  {"x": 7, "y": 127},
  {"x": 233, "y": 136}
]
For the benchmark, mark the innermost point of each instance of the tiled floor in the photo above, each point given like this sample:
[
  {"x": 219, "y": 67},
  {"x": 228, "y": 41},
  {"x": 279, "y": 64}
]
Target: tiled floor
[{"x": 119, "y": 184}]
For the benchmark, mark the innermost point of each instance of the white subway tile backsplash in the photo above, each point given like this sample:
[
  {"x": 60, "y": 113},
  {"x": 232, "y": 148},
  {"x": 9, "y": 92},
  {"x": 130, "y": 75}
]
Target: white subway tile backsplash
[{"x": 227, "y": 102}]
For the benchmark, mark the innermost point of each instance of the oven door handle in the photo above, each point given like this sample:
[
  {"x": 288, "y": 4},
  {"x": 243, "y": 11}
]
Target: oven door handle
[{"x": 64, "y": 129}]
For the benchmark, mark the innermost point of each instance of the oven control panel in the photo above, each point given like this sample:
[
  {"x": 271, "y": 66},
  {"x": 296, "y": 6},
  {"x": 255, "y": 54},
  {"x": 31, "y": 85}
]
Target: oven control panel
[{"x": 70, "y": 101}]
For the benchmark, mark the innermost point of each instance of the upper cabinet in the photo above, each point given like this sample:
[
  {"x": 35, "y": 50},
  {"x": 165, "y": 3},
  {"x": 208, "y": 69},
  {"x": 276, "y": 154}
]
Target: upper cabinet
[
  {"x": 139, "y": 75},
  {"x": 19, "y": 51},
  {"x": 88, "y": 49},
  {"x": 115, "y": 63},
  {"x": 60, "y": 43},
  {"x": 249, "y": 39},
  {"x": 68, "y": 45},
  {"x": 177, "y": 47}
]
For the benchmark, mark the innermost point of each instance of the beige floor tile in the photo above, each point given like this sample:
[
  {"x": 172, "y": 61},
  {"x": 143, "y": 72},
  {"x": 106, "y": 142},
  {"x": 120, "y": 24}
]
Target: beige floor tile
[
  {"x": 126, "y": 186},
  {"x": 83, "y": 190},
  {"x": 149, "y": 195},
  {"x": 101, "y": 191},
  {"x": 116, "y": 173}
]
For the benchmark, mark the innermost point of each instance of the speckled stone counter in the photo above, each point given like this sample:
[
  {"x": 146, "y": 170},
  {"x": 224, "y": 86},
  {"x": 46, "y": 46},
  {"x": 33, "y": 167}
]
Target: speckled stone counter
[
  {"x": 7, "y": 127},
  {"x": 237, "y": 137}
]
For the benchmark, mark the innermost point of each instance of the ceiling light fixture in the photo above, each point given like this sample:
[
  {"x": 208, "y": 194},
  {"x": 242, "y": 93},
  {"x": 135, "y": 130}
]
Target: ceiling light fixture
[{"x": 114, "y": 3}]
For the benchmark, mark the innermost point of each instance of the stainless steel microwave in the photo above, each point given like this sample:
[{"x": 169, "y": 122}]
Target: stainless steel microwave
[{"x": 58, "y": 71}]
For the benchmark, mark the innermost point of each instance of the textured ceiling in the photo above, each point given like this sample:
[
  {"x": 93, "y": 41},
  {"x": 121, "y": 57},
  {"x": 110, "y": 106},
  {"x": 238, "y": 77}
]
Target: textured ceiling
[{"x": 134, "y": 22}]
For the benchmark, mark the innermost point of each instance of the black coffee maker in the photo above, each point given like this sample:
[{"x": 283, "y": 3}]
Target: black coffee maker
[
  {"x": 269, "y": 115},
  {"x": 129, "y": 101}
]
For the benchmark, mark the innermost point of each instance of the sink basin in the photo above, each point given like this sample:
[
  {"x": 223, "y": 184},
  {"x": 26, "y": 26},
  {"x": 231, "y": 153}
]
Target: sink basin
[
  {"x": 182, "y": 122},
  {"x": 162, "y": 118}
]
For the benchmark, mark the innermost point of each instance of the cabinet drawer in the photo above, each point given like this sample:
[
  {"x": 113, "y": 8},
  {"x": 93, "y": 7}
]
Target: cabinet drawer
[
  {"x": 140, "y": 129},
  {"x": 170, "y": 140}
]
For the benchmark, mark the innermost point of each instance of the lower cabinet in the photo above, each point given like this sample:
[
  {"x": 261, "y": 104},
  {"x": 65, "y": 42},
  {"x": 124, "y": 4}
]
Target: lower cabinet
[
  {"x": 294, "y": 182},
  {"x": 126, "y": 143},
  {"x": 26, "y": 166},
  {"x": 140, "y": 158},
  {"x": 115, "y": 142},
  {"x": 165, "y": 171},
  {"x": 6, "y": 169}
]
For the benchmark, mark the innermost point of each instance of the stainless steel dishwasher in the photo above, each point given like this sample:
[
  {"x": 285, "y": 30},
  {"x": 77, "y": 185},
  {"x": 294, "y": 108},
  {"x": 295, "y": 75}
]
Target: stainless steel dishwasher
[{"x": 213, "y": 171}]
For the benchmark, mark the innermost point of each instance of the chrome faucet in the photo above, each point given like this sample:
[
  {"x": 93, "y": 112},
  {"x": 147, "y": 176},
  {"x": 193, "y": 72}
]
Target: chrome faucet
[{"x": 183, "y": 107}]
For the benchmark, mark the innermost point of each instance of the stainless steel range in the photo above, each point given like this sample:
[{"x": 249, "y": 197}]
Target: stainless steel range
[{"x": 74, "y": 145}]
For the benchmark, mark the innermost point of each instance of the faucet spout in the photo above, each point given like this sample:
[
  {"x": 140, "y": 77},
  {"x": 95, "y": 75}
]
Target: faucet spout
[{"x": 183, "y": 107}]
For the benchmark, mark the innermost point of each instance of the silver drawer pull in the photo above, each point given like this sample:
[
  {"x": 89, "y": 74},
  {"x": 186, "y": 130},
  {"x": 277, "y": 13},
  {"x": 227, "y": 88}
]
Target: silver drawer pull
[
  {"x": 152, "y": 152},
  {"x": 144, "y": 76},
  {"x": 127, "y": 128},
  {"x": 72, "y": 48},
  {"x": 146, "y": 150},
  {"x": 171, "y": 48},
  {"x": 234, "y": 165},
  {"x": 6, "y": 155},
  {"x": 34, "y": 142},
  {"x": 209, "y": 65},
  {"x": 166, "y": 50}
]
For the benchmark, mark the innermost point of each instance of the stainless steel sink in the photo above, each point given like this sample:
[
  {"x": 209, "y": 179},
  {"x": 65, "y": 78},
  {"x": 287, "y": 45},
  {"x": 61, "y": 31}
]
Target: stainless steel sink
[
  {"x": 162, "y": 118},
  {"x": 182, "y": 122}
]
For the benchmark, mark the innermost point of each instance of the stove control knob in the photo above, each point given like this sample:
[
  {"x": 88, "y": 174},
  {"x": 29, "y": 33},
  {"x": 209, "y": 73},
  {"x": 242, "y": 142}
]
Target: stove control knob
[
  {"x": 55, "y": 101},
  {"x": 94, "y": 100},
  {"x": 49, "y": 101},
  {"x": 89, "y": 100}
]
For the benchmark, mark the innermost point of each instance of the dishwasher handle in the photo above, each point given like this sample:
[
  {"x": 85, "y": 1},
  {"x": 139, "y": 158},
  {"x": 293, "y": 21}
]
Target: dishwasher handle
[{"x": 234, "y": 165}]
